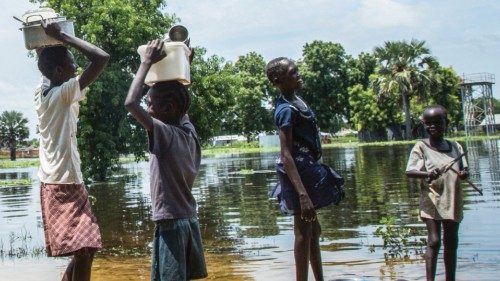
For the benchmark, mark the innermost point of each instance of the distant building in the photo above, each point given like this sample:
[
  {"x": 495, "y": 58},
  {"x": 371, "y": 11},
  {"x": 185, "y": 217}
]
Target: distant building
[
  {"x": 345, "y": 132},
  {"x": 274, "y": 140},
  {"x": 496, "y": 123},
  {"x": 226, "y": 140},
  {"x": 269, "y": 141},
  {"x": 23, "y": 152}
]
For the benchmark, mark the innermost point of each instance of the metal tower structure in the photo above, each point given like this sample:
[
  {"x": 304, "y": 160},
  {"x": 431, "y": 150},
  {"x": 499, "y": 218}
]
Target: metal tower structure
[{"x": 477, "y": 102}]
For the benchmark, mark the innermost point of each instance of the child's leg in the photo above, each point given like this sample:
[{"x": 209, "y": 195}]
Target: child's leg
[
  {"x": 433, "y": 245},
  {"x": 82, "y": 267},
  {"x": 68, "y": 274},
  {"x": 315, "y": 252},
  {"x": 303, "y": 233},
  {"x": 450, "y": 241}
]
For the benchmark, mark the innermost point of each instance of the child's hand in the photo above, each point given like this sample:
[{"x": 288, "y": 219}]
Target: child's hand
[
  {"x": 464, "y": 174},
  {"x": 434, "y": 174},
  {"x": 52, "y": 29},
  {"x": 154, "y": 52},
  {"x": 307, "y": 209}
]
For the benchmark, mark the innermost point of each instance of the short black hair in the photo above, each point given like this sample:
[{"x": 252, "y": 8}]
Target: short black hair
[
  {"x": 50, "y": 58},
  {"x": 276, "y": 68},
  {"x": 176, "y": 91},
  {"x": 436, "y": 106}
]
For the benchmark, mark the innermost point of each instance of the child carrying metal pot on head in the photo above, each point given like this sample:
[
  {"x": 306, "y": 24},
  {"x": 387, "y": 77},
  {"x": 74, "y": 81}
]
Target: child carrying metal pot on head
[
  {"x": 304, "y": 183},
  {"x": 441, "y": 166},
  {"x": 70, "y": 226}
]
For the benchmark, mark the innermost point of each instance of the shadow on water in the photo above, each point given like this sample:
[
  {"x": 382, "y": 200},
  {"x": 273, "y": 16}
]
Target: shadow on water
[{"x": 245, "y": 236}]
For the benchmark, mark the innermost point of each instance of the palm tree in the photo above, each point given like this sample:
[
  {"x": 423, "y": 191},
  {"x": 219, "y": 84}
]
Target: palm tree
[
  {"x": 402, "y": 71},
  {"x": 13, "y": 130}
]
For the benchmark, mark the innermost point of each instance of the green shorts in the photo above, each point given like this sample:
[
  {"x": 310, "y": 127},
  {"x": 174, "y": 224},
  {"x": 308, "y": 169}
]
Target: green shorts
[{"x": 177, "y": 251}]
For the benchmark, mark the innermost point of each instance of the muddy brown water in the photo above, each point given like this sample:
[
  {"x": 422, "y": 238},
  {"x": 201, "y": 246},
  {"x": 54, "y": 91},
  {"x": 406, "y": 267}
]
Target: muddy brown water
[{"x": 245, "y": 236}]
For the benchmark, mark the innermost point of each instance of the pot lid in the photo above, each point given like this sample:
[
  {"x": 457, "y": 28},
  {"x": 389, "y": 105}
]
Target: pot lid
[{"x": 39, "y": 14}]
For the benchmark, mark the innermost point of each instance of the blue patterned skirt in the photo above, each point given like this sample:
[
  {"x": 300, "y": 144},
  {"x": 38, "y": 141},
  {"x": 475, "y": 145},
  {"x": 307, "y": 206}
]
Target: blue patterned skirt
[{"x": 323, "y": 185}]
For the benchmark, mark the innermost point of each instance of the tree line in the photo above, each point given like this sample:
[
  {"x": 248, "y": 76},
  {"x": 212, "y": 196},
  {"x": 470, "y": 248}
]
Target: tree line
[
  {"x": 365, "y": 92},
  {"x": 371, "y": 92}
]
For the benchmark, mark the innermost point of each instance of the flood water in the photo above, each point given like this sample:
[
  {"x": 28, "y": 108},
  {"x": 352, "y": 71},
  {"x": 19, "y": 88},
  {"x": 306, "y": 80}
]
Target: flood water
[{"x": 244, "y": 234}]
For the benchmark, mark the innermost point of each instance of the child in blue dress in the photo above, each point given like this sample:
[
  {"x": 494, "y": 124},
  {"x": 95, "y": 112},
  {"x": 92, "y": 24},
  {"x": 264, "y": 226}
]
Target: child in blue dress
[{"x": 304, "y": 183}]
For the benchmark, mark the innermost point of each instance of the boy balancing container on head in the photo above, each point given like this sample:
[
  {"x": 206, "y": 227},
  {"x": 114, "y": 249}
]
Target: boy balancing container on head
[{"x": 175, "y": 66}]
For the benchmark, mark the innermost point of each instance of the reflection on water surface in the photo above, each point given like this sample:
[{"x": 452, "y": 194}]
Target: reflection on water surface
[{"x": 245, "y": 236}]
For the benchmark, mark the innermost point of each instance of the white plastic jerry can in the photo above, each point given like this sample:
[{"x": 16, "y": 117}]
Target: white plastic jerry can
[{"x": 175, "y": 66}]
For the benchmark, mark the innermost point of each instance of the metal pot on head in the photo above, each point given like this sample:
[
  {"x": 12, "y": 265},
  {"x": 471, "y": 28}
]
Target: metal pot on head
[
  {"x": 178, "y": 33},
  {"x": 34, "y": 35}
]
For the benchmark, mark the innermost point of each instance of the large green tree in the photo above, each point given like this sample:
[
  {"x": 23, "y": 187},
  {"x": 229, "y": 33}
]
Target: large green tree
[
  {"x": 213, "y": 87},
  {"x": 444, "y": 90},
  {"x": 402, "y": 72},
  {"x": 325, "y": 73},
  {"x": 119, "y": 27},
  {"x": 13, "y": 130},
  {"x": 361, "y": 68},
  {"x": 252, "y": 109},
  {"x": 496, "y": 106},
  {"x": 229, "y": 98},
  {"x": 371, "y": 115}
]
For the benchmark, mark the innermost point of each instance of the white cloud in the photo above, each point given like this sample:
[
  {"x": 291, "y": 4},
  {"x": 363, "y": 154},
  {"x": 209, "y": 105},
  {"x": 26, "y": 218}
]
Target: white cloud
[
  {"x": 460, "y": 33},
  {"x": 374, "y": 14},
  {"x": 236, "y": 27},
  {"x": 6, "y": 87},
  {"x": 280, "y": 27}
]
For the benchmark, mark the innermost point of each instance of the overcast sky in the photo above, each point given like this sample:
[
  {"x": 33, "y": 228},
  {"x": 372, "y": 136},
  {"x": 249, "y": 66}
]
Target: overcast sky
[{"x": 462, "y": 34}]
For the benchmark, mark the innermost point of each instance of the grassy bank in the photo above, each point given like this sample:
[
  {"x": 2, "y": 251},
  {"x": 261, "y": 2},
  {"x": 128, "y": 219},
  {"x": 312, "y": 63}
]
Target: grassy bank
[
  {"x": 33, "y": 162},
  {"x": 247, "y": 148},
  {"x": 211, "y": 151},
  {"x": 19, "y": 163},
  {"x": 338, "y": 142},
  {"x": 15, "y": 182},
  {"x": 389, "y": 143}
]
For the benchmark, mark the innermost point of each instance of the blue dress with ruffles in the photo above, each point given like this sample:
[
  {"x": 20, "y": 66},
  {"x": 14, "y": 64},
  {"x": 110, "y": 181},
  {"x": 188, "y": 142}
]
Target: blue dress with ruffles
[{"x": 323, "y": 185}]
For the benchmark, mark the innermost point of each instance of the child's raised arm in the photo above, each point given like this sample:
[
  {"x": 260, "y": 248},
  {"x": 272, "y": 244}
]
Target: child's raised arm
[
  {"x": 154, "y": 53},
  {"x": 98, "y": 58}
]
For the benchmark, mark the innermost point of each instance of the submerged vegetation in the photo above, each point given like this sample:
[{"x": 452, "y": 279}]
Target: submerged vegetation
[
  {"x": 399, "y": 239},
  {"x": 19, "y": 246}
]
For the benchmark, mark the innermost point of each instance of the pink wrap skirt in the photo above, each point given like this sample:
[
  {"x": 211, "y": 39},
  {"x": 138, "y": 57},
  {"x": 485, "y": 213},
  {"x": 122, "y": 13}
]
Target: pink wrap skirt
[{"x": 69, "y": 224}]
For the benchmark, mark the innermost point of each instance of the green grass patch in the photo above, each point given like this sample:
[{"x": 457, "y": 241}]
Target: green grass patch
[
  {"x": 252, "y": 147},
  {"x": 19, "y": 163},
  {"x": 348, "y": 138},
  {"x": 34, "y": 162},
  {"x": 15, "y": 182},
  {"x": 342, "y": 142},
  {"x": 128, "y": 159},
  {"x": 476, "y": 138},
  {"x": 237, "y": 150},
  {"x": 247, "y": 171}
]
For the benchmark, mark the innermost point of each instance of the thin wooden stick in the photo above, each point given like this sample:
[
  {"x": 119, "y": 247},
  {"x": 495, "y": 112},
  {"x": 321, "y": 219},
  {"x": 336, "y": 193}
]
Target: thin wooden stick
[{"x": 469, "y": 182}]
